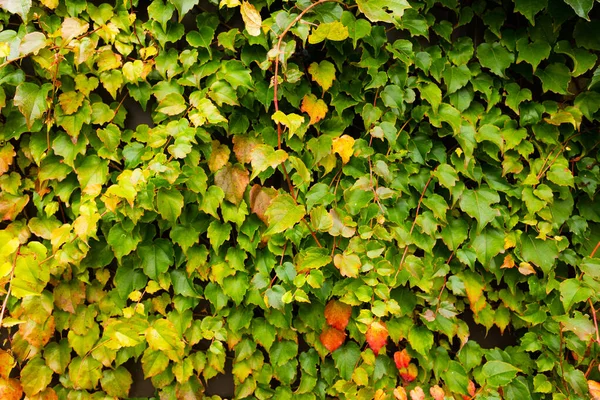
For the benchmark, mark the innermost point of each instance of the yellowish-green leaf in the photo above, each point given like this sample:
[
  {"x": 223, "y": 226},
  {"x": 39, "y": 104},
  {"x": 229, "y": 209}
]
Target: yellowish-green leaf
[
  {"x": 323, "y": 73},
  {"x": 330, "y": 31}
]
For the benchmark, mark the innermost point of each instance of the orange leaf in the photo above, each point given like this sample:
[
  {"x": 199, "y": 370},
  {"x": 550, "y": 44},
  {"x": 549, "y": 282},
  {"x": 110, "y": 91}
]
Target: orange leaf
[
  {"x": 338, "y": 314},
  {"x": 417, "y": 393},
  {"x": 7, "y": 153},
  {"x": 409, "y": 373},
  {"x": 508, "y": 262},
  {"x": 594, "y": 389},
  {"x": 243, "y": 146},
  {"x": 400, "y": 393},
  {"x": 402, "y": 359},
  {"x": 315, "y": 108},
  {"x": 377, "y": 335},
  {"x": 10, "y": 389},
  {"x": 437, "y": 393},
  {"x": 332, "y": 338}
]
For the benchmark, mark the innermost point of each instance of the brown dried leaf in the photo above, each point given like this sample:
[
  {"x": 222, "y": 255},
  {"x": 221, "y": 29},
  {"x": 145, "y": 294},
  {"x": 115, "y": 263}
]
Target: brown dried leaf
[
  {"x": 260, "y": 199},
  {"x": 243, "y": 146}
]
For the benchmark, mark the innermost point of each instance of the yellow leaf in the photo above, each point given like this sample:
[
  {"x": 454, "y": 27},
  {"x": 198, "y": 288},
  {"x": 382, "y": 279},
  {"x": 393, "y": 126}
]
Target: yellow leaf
[
  {"x": 291, "y": 121},
  {"x": 218, "y": 157},
  {"x": 251, "y": 18},
  {"x": 322, "y": 73},
  {"x": 348, "y": 265},
  {"x": 526, "y": 269},
  {"x": 331, "y": 31},
  {"x": 343, "y": 146},
  {"x": 73, "y": 27},
  {"x": 7, "y": 154},
  {"x": 229, "y": 3},
  {"x": 51, "y": 4},
  {"x": 315, "y": 108}
]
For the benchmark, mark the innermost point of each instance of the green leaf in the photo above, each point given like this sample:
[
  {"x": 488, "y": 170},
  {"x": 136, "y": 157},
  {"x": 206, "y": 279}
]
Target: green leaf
[
  {"x": 456, "y": 78},
  {"x": 85, "y": 372},
  {"x": 495, "y": 57},
  {"x": 583, "y": 60},
  {"x": 357, "y": 28},
  {"x": 328, "y": 31},
  {"x": 477, "y": 204},
  {"x": 420, "y": 339},
  {"x": 169, "y": 203},
  {"x": 31, "y": 100},
  {"x": 162, "y": 335},
  {"x": 283, "y": 213},
  {"x": 323, "y": 73},
  {"x": 222, "y": 93},
  {"x": 382, "y": 10},
  {"x": 542, "y": 253},
  {"x": 291, "y": 121},
  {"x": 572, "y": 292},
  {"x": 116, "y": 382},
  {"x": 183, "y": 6},
  {"x": 433, "y": 94},
  {"x": 154, "y": 362},
  {"x": 488, "y": 244},
  {"x": 35, "y": 376},
  {"x": 532, "y": 53},
  {"x": 456, "y": 377},
  {"x": 529, "y": 8},
  {"x": 218, "y": 233},
  {"x": 122, "y": 241},
  {"x": 172, "y": 104},
  {"x": 581, "y": 7},
  {"x": 156, "y": 257},
  {"x": 499, "y": 373},
  {"x": 346, "y": 359},
  {"x": 555, "y": 78},
  {"x": 282, "y": 352},
  {"x": 58, "y": 356},
  {"x": 235, "y": 74},
  {"x": 455, "y": 233},
  {"x": 92, "y": 173}
]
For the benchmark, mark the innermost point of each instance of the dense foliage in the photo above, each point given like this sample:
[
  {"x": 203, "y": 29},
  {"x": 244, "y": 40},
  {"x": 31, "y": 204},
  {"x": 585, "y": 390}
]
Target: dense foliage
[{"x": 325, "y": 199}]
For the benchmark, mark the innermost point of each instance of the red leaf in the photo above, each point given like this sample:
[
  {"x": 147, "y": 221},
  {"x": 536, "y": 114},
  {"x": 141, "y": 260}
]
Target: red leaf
[
  {"x": 338, "y": 314},
  {"x": 409, "y": 373},
  {"x": 332, "y": 338},
  {"x": 402, "y": 359},
  {"x": 377, "y": 335}
]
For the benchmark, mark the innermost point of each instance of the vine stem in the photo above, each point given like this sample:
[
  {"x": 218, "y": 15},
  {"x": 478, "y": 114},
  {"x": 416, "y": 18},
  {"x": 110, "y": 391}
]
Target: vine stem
[
  {"x": 12, "y": 274},
  {"x": 412, "y": 228},
  {"x": 277, "y": 50},
  {"x": 276, "y": 102}
]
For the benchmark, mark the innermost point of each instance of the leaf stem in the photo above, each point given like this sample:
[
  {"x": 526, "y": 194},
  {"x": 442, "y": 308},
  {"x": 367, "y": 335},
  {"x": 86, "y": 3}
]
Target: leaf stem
[{"x": 12, "y": 274}]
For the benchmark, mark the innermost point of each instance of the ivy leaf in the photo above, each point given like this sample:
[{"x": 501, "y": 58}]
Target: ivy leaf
[
  {"x": 432, "y": 94},
  {"x": 328, "y": 30},
  {"x": 32, "y": 43},
  {"x": 85, "y": 372},
  {"x": 156, "y": 257},
  {"x": 31, "y": 100},
  {"x": 495, "y": 57},
  {"x": 122, "y": 241},
  {"x": 344, "y": 146},
  {"x": 20, "y": 7},
  {"x": 581, "y": 7},
  {"x": 252, "y": 19},
  {"x": 499, "y": 373},
  {"x": 487, "y": 245},
  {"x": 169, "y": 203},
  {"x": 357, "y": 28},
  {"x": 572, "y": 292},
  {"x": 420, "y": 339},
  {"x": 348, "y": 264},
  {"x": 323, "y": 73},
  {"x": 315, "y": 108},
  {"x": 346, "y": 358},
  {"x": 162, "y": 335},
  {"x": 529, "y": 8},
  {"x": 235, "y": 74},
  {"x": 172, "y": 104},
  {"x": 183, "y": 6},
  {"x": 154, "y": 362},
  {"x": 455, "y": 78},
  {"x": 283, "y": 213},
  {"x": 218, "y": 233},
  {"x": 234, "y": 181},
  {"x": 116, "y": 382},
  {"x": 532, "y": 53},
  {"x": 35, "y": 376},
  {"x": 291, "y": 121},
  {"x": 375, "y": 10},
  {"x": 542, "y": 253},
  {"x": 555, "y": 78},
  {"x": 477, "y": 204},
  {"x": 583, "y": 60},
  {"x": 263, "y": 157}
]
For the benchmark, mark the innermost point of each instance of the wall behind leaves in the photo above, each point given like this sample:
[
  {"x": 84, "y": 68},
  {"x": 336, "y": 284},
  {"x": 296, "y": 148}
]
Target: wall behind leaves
[{"x": 331, "y": 199}]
